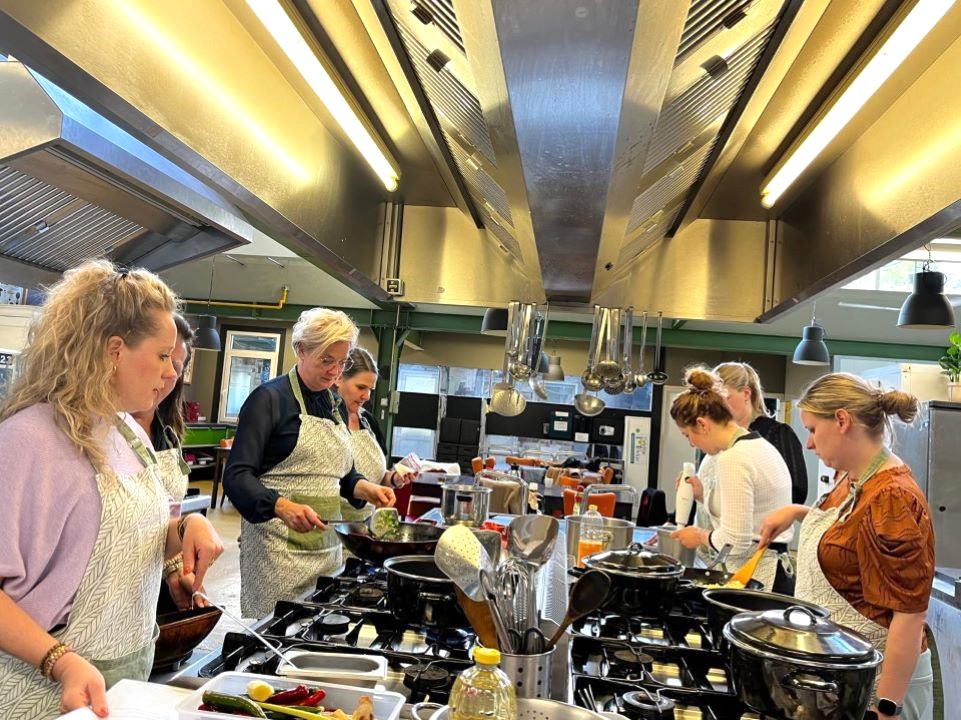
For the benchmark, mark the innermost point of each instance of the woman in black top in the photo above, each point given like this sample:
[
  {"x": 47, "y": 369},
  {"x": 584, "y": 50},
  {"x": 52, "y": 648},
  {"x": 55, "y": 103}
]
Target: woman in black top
[
  {"x": 290, "y": 464},
  {"x": 746, "y": 401}
]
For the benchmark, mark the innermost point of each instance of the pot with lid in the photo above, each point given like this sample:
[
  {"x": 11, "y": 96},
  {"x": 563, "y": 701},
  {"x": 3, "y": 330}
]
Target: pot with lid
[
  {"x": 795, "y": 664},
  {"x": 641, "y": 581}
]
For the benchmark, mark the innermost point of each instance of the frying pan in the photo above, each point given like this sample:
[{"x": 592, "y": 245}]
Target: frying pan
[
  {"x": 700, "y": 578},
  {"x": 410, "y": 539}
]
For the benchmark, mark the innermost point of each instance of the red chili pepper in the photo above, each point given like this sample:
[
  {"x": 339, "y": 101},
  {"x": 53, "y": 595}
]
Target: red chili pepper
[
  {"x": 290, "y": 697},
  {"x": 313, "y": 700}
]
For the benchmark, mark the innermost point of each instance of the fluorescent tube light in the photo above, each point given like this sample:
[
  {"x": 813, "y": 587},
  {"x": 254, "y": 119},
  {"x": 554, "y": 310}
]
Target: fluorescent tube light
[
  {"x": 907, "y": 36},
  {"x": 278, "y": 23}
]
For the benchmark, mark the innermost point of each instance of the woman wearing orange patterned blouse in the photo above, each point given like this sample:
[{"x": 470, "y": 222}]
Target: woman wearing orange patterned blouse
[{"x": 866, "y": 549}]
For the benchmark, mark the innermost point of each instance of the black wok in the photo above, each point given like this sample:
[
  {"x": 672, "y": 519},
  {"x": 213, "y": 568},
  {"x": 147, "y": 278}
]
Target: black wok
[{"x": 410, "y": 539}]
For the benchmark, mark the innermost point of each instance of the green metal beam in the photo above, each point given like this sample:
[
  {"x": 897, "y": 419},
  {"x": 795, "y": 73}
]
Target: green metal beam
[{"x": 425, "y": 322}]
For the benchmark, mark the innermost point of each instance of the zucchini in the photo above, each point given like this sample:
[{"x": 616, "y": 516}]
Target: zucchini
[{"x": 232, "y": 703}]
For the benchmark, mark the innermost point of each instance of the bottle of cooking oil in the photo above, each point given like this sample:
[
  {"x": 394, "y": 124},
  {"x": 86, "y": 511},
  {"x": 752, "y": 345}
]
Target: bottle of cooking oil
[
  {"x": 592, "y": 537},
  {"x": 483, "y": 692}
]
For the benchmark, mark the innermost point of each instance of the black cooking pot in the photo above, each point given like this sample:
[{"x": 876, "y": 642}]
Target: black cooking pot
[
  {"x": 408, "y": 539},
  {"x": 724, "y": 603},
  {"x": 642, "y": 582},
  {"x": 419, "y": 593},
  {"x": 795, "y": 664}
]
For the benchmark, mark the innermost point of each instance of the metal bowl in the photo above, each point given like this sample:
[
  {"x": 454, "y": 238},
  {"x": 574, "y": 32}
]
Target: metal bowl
[{"x": 538, "y": 709}]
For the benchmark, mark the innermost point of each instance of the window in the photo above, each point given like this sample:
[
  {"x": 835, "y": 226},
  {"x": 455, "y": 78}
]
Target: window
[
  {"x": 250, "y": 359},
  {"x": 418, "y": 378},
  {"x": 468, "y": 382},
  {"x": 413, "y": 440}
]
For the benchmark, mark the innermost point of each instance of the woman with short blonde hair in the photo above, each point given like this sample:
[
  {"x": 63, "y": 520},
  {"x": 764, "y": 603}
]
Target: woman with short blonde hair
[
  {"x": 290, "y": 465},
  {"x": 87, "y": 526},
  {"x": 866, "y": 550},
  {"x": 746, "y": 400}
]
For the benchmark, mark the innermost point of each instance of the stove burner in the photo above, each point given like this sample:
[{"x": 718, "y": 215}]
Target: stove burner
[
  {"x": 645, "y": 705},
  {"x": 448, "y": 637},
  {"x": 367, "y": 595},
  {"x": 423, "y": 679},
  {"x": 632, "y": 660},
  {"x": 333, "y": 624}
]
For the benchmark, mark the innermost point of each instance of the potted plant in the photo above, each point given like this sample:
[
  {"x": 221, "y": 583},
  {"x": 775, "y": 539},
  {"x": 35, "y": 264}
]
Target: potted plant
[{"x": 951, "y": 366}]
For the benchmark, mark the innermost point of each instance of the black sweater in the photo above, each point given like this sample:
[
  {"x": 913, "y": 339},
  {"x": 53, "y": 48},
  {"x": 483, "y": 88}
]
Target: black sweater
[
  {"x": 782, "y": 437},
  {"x": 267, "y": 432}
]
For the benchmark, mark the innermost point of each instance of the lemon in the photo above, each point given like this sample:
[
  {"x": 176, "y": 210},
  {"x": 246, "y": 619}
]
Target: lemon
[{"x": 259, "y": 691}]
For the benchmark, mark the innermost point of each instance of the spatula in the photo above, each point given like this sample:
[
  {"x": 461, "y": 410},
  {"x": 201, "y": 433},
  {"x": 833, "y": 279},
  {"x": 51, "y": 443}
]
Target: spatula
[
  {"x": 746, "y": 571},
  {"x": 479, "y": 616}
]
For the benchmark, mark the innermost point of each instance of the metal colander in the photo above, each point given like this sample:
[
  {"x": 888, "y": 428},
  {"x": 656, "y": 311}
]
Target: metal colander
[{"x": 538, "y": 709}]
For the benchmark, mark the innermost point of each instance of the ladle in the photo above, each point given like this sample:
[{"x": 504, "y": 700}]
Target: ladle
[
  {"x": 640, "y": 377},
  {"x": 589, "y": 405},
  {"x": 587, "y": 594},
  {"x": 658, "y": 376}
]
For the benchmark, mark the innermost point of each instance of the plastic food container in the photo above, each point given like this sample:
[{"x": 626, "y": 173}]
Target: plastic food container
[{"x": 387, "y": 705}]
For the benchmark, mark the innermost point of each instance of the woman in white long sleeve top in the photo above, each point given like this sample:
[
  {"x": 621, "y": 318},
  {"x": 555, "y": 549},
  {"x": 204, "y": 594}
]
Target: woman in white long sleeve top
[{"x": 750, "y": 478}]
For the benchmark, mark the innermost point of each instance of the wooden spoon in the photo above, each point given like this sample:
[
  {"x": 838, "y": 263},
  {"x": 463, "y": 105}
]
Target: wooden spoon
[
  {"x": 746, "y": 571},
  {"x": 479, "y": 616}
]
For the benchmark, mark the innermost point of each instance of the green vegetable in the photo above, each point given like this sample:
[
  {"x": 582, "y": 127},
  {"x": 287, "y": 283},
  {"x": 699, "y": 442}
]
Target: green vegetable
[
  {"x": 384, "y": 522},
  {"x": 233, "y": 703},
  {"x": 307, "y": 713}
]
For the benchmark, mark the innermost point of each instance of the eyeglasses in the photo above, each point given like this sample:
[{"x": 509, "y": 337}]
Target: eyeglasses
[{"x": 345, "y": 364}]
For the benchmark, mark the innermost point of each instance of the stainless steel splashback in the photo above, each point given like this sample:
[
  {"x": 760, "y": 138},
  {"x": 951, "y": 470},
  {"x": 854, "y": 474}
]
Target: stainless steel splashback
[{"x": 931, "y": 449}]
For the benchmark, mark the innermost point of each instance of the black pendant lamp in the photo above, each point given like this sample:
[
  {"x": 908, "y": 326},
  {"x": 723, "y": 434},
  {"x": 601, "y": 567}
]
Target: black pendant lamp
[
  {"x": 495, "y": 322},
  {"x": 927, "y": 307},
  {"x": 207, "y": 337},
  {"x": 812, "y": 350}
]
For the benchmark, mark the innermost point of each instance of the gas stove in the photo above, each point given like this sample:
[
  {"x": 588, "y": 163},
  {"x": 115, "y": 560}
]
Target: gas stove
[
  {"x": 663, "y": 667},
  {"x": 349, "y": 614}
]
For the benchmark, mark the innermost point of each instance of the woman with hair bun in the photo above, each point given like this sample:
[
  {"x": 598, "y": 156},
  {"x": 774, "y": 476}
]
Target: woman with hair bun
[
  {"x": 750, "y": 478},
  {"x": 866, "y": 550}
]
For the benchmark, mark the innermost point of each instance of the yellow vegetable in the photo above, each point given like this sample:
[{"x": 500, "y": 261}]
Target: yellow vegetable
[{"x": 259, "y": 691}]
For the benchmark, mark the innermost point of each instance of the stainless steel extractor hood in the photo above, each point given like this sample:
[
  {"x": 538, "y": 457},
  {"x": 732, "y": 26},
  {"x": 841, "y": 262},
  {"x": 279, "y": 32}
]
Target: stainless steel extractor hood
[{"x": 75, "y": 186}]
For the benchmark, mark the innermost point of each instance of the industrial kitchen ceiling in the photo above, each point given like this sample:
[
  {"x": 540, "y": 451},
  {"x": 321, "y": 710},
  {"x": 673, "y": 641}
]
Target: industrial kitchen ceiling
[{"x": 584, "y": 126}]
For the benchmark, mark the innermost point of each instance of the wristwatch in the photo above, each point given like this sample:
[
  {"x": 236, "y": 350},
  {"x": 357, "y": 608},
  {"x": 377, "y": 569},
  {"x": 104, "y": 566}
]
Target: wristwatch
[{"x": 889, "y": 707}]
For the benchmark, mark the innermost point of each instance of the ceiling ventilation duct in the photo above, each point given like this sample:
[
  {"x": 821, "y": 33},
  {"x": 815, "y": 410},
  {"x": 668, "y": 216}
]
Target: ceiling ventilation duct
[{"x": 74, "y": 186}]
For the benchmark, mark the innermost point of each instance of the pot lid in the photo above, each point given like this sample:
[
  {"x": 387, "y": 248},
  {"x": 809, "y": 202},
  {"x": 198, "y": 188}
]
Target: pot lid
[
  {"x": 797, "y": 632},
  {"x": 635, "y": 560}
]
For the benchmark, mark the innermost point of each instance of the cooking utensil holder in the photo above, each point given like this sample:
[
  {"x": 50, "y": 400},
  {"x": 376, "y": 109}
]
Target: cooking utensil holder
[{"x": 531, "y": 674}]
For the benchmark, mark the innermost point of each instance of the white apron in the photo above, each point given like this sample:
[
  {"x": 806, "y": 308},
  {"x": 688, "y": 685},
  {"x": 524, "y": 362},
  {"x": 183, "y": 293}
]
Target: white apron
[
  {"x": 112, "y": 622},
  {"x": 277, "y": 563},
  {"x": 814, "y": 587},
  {"x": 370, "y": 462}
]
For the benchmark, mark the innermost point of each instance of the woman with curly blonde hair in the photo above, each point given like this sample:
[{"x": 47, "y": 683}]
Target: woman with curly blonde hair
[{"x": 87, "y": 526}]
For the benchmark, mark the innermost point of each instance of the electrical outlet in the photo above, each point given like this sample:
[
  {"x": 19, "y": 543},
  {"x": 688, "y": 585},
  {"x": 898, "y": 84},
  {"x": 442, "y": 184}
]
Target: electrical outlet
[{"x": 394, "y": 286}]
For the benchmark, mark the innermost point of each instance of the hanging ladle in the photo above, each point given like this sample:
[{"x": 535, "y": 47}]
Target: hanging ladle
[
  {"x": 640, "y": 377},
  {"x": 657, "y": 376}
]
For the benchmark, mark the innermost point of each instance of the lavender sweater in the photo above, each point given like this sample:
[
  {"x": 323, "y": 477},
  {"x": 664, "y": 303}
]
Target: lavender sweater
[{"x": 52, "y": 510}]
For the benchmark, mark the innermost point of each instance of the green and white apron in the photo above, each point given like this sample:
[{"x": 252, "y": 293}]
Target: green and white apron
[
  {"x": 277, "y": 563},
  {"x": 370, "y": 462},
  {"x": 112, "y": 622},
  {"x": 814, "y": 587},
  {"x": 174, "y": 472}
]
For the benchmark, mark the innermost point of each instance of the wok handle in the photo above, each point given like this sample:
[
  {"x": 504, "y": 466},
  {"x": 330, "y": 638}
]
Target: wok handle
[{"x": 811, "y": 683}]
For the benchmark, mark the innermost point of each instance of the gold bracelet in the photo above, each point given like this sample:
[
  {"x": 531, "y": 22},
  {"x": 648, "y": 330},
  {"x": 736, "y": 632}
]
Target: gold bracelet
[
  {"x": 174, "y": 564},
  {"x": 51, "y": 658}
]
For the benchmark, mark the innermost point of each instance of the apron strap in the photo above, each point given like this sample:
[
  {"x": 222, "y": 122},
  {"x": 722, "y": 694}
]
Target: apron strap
[
  {"x": 742, "y": 434},
  {"x": 144, "y": 454},
  {"x": 299, "y": 396},
  {"x": 174, "y": 442},
  {"x": 847, "y": 507}
]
